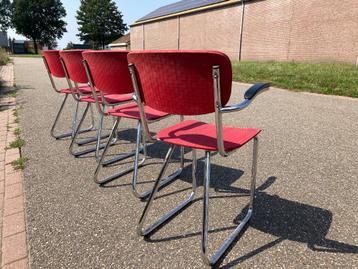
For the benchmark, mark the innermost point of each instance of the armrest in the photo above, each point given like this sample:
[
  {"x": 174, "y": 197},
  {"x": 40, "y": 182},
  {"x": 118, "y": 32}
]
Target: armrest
[
  {"x": 249, "y": 96},
  {"x": 256, "y": 89}
]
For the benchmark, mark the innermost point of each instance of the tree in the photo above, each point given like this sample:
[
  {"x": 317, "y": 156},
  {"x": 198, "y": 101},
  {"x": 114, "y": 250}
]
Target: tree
[
  {"x": 39, "y": 20},
  {"x": 100, "y": 22},
  {"x": 69, "y": 46},
  {"x": 51, "y": 44},
  {"x": 5, "y": 14}
]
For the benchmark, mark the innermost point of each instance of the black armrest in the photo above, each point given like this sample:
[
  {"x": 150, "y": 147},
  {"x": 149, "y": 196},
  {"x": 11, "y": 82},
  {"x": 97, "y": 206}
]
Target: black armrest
[
  {"x": 256, "y": 89},
  {"x": 249, "y": 96}
]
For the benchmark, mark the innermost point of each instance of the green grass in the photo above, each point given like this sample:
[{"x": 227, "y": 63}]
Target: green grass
[
  {"x": 4, "y": 57},
  {"x": 17, "y": 143},
  {"x": 332, "y": 79},
  {"x": 11, "y": 93},
  {"x": 26, "y": 55},
  {"x": 19, "y": 164}
]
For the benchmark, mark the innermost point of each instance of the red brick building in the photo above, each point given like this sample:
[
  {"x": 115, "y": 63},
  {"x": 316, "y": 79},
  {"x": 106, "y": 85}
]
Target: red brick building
[{"x": 279, "y": 30}]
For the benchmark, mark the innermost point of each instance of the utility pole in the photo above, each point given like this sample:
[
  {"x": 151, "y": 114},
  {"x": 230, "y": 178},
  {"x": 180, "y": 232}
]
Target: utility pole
[{"x": 241, "y": 27}]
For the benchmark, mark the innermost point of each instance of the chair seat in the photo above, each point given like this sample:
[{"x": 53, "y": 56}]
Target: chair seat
[
  {"x": 201, "y": 135},
  {"x": 110, "y": 98},
  {"x": 83, "y": 89},
  {"x": 131, "y": 111}
]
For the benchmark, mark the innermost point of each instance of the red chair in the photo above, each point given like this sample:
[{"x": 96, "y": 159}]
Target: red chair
[
  {"x": 108, "y": 74},
  {"x": 75, "y": 72},
  {"x": 54, "y": 69},
  {"x": 193, "y": 83}
]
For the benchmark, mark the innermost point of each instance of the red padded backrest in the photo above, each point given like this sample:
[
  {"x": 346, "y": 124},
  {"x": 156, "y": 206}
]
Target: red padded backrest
[
  {"x": 73, "y": 61},
  {"x": 180, "y": 82},
  {"x": 109, "y": 71},
  {"x": 52, "y": 58}
]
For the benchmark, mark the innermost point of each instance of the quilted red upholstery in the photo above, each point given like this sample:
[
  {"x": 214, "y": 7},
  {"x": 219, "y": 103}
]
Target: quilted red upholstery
[
  {"x": 201, "y": 135},
  {"x": 131, "y": 111},
  {"x": 180, "y": 82},
  {"x": 52, "y": 58},
  {"x": 73, "y": 61},
  {"x": 109, "y": 71}
]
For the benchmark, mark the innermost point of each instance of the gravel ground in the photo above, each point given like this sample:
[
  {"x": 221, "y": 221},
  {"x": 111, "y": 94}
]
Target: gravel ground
[{"x": 305, "y": 214}]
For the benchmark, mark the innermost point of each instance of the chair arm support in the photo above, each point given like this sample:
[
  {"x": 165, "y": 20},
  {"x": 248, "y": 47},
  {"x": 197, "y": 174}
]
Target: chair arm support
[{"x": 249, "y": 96}]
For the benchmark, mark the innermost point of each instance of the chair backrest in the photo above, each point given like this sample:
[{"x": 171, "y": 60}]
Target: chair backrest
[
  {"x": 109, "y": 71},
  {"x": 52, "y": 58},
  {"x": 181, "y": 82},
  {"x": 74, "y": 65}
]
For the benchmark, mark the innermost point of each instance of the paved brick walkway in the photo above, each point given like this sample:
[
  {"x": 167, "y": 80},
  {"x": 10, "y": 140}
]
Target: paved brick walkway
[{"x": 13, "y": 241}]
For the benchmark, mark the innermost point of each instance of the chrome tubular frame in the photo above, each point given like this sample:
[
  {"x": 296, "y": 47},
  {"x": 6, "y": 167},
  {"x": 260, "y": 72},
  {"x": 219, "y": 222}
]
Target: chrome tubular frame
[
  {"x": 98, "y": 137},
  {"x": 219, "y": 110},
  {"x": 231, "y": 238},
  {"x": 146, "y": 231},
  {"x": 120, "y": 157},
  {"x": 140, "y": 148},
  {"x": 147, "y": 136},
  {"x": 59, "y": 113},
  {"x": 163, "y": 182}
]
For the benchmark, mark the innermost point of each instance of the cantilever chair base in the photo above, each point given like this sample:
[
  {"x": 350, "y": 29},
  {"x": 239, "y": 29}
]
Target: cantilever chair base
[
  {"x": 137, "y": 164},
  {"x": 182, "y": 205},
  {"x": 74, "y": 122},
  {"x": 97, "y": 138},
  {"x": 152, "y": 227}
]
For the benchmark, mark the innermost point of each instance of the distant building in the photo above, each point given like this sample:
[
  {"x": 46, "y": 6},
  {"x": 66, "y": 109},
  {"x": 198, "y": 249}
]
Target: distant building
[
  {"x": 23, "y": 46},
  {"x": 4, "y": 42},
  {"x": 122, "y": 43},
  {"x": 259, "y": 30},
  {"x": 81, "y": 46}
]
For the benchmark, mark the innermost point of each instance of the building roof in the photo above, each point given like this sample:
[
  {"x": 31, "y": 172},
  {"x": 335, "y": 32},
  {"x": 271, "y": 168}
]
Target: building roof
[
  {"x": 183, "y": 7},
  {"x": 122, "y": 40}
]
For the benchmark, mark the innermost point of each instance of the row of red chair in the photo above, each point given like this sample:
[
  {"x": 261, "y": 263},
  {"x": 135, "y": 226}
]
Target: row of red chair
[{"x": 148, "y": 86}]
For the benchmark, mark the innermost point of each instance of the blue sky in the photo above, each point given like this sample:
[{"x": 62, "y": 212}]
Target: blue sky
[{"x": 131, "y": 10}]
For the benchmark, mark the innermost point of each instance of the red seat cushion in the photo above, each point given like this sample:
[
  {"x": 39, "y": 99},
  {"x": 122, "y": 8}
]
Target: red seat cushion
[
  {"x": 110, "y": 98},
  {"x": 118, "y": 98},
  {"x": 83, "y": 89},
  {"x": 131, "y": 111},
  {"x": 201, "y": 135},
  {"x": 65, "y": 91}
]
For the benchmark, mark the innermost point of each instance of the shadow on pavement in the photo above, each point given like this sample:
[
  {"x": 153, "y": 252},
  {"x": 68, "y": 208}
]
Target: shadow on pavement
[{"x": 279, "y": 217}]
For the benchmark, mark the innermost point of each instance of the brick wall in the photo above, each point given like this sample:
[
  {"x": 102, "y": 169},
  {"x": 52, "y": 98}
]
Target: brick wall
[
  {"x": 217, "y": 29},
  {"x": 281, "y": 30},
  {"x": 162, "y": 34},
  {"x": 137, "y": 37}
]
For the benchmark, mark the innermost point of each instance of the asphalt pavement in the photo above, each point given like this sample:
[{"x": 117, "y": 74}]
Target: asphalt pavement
[{"x": 305, "y": 216}]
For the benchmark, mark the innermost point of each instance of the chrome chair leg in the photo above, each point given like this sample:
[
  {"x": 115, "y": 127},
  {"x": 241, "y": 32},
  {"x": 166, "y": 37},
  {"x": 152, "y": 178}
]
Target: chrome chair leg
[
  {"x": 226, "y": 244},
  {"x": 77, "y": 132},
  {"x": 93, "y": 128},
  {"x": 118, "y": 158},
  {"x": 74, "y": 117},
  {"x": 162, "y": 183},
  {"x": 99, "y": 136},
  {"x": 173, "y": 212},
  {"x": 60, "y": 136}
]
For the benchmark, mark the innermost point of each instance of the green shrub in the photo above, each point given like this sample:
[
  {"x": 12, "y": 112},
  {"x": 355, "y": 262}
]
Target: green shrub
[{"x": 4, "y": 57}]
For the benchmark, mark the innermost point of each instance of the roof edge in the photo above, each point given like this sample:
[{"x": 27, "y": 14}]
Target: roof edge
[{"x": 189, "y": 11}]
